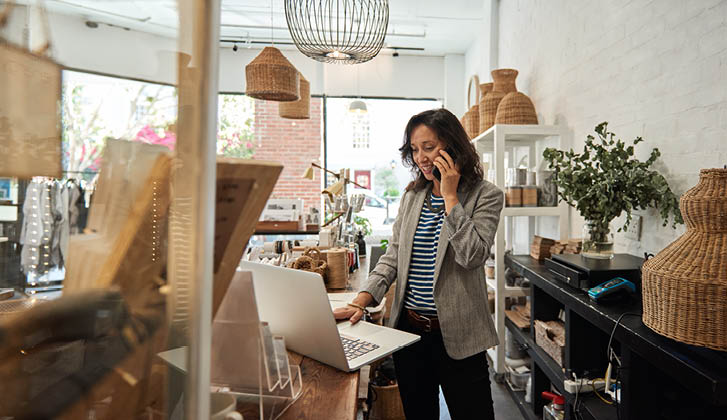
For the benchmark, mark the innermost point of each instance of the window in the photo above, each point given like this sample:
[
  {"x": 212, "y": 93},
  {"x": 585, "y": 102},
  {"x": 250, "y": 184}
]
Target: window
[
  {"x": 360, "y": 130},
  {"x": 373, "y": 150}
]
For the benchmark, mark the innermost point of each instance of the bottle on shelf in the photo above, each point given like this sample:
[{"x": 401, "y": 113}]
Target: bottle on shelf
[{"x": 554, "y": 410}]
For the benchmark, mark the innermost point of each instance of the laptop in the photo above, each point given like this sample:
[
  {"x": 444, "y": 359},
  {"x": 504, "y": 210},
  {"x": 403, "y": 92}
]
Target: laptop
[{"x": 295, "y": 305}]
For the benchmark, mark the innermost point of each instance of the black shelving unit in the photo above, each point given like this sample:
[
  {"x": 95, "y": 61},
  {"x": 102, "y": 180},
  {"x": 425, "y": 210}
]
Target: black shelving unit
[
  {"x": 522, "y": 405},
  {"x": 660, "y": 379}
]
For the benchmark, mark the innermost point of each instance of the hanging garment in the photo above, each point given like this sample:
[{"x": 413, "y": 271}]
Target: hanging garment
[
  {"x": 74, "y": 207},
  {"x": 35, "y": 235},
  {"x": 58, "y": 214}
]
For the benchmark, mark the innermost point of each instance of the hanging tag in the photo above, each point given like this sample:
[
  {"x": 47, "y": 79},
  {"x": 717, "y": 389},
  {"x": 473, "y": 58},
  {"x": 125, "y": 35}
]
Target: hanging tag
[{"x": 30, "y": 123}]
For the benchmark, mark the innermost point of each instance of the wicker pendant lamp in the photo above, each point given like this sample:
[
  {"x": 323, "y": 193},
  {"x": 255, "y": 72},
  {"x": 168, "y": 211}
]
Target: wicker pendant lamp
[
  {"x": 684, "y": 286},
  {"x": 342, "y": 31},
  {"x": 271, "y": 77},
  {"x": 300, "y": 109}
]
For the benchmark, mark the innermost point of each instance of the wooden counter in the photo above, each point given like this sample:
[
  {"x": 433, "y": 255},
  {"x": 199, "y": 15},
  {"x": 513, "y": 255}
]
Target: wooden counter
[{"x": 328, "y": 393}]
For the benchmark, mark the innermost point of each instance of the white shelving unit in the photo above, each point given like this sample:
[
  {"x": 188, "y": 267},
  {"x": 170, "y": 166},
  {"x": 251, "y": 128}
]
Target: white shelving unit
[{"x": 497, "y": 141}]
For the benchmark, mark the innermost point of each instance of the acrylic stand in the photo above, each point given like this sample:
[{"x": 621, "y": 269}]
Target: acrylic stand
[{"x": 247, "y": 360}]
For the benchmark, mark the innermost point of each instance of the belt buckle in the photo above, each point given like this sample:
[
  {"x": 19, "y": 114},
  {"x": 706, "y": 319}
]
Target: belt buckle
[{"x": 428, "y": 324}]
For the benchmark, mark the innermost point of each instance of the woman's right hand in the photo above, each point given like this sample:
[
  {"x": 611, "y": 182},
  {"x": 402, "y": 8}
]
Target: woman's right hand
[{"x": 352, "y": 313}]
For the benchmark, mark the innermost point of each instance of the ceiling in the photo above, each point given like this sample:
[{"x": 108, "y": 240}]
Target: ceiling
[{"x": 427, "y": 27}]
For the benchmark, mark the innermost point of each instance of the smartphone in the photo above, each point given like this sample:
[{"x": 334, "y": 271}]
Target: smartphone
[{"x": 436, "y": 172}]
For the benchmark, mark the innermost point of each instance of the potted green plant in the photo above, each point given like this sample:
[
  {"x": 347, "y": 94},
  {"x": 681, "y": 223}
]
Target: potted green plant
[{"x": 607, "y": 180}]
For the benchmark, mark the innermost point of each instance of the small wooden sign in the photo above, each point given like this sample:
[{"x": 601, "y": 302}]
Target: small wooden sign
[{"x": 30, "y": 123}]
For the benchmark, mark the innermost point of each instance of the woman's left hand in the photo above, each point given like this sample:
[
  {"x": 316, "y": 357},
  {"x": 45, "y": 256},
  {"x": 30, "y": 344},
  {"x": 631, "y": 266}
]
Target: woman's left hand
[{"x": 450, "y": 175}]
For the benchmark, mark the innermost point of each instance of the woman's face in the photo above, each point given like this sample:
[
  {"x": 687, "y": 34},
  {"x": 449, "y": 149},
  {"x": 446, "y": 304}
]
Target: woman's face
[{"x": 425, "y": 147}]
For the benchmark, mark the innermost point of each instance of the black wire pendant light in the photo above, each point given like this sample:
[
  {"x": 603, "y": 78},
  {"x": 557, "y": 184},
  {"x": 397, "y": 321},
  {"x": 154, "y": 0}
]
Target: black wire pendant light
[{"x": 338, "y": 31}]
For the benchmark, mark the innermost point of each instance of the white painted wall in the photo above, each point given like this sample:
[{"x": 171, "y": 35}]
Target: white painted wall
[
  {"x": 149, "y": 57},
  {"x": 656, "y": 69},
  {"x": 454, "y": 94},
  {"x": 478, "y": 58}
]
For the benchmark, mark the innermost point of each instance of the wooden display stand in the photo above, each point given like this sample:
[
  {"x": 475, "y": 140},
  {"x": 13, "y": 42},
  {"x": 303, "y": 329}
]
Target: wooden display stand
[{"x": 125, "y": 248}]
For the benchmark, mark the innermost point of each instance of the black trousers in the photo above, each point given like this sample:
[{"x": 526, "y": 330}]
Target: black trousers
[{"x": 423, "y": 366}]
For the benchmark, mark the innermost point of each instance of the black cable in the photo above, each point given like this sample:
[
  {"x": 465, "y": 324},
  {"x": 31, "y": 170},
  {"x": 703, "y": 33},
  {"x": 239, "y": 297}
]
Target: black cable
[{"x": 609, "y": 351}]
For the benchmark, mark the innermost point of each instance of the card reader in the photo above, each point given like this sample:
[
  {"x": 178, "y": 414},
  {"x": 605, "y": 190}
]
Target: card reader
[{"x": 611, "y": 288}]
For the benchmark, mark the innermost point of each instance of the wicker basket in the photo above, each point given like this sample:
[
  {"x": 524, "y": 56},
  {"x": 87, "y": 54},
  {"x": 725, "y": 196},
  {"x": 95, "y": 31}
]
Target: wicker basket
[
  {"x": 685, "y": 285},
  {"x": 504, "y": 84},
  {"x": 550, "y": 336},
  {"x": 472, "y": 116},
  {"x": 387, "y": 405},
  {"x": 516, "y": 108},
  {"x": 485, "y": 89},
  {"x": 300, "y": 109},
  {"x": 271, "y": 77},
  {"x": 311, "y": 261},
  {"x": 337, "y": 268}
]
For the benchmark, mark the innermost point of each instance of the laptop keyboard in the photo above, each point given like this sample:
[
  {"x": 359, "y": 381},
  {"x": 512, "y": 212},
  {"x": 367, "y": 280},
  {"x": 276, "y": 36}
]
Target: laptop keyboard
[{"x": 355, "y": 347}]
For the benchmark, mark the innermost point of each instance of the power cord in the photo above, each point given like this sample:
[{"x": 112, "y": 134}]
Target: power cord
[{"x": 611, "y": 356}]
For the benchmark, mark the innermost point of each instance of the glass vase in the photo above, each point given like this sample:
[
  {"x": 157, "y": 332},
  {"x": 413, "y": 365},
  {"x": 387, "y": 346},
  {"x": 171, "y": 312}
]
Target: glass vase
[{"x": 597, "y": 240}]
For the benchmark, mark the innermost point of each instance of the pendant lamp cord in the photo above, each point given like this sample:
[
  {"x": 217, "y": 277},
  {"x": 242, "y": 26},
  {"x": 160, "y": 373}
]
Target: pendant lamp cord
[{"x": 272, "y": 38}]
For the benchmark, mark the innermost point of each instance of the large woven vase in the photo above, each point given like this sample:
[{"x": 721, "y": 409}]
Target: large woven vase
[
  {"x": 504, "y": 83},
  {"x": 485, "y": 89},
  {"x": 516, "y": 108},
  {"x": 685, "y": 285},
  {"x": 471, "y": 119}
]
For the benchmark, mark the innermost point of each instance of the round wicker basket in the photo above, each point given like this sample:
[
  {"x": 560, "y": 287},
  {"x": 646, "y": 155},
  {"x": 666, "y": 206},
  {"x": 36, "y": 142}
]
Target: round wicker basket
[
  {"x": 504, "y": 83},
  {"x": 300, "y": 109},
  {"x": 516, "y": 108},
  {"x": 271, "y": 77},
  {"x": 684, "y": 286},
  {"x": 387, "y": 405},
  {"x": 485, "y": 89}
]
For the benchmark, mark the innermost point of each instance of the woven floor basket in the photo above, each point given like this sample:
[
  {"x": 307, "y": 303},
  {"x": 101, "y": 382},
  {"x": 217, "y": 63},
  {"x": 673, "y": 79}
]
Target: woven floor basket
[
  {"x": 685, "y": 285},
  {"x": 504, "y": 83},
  {"x": 300, "y": 109},
  {"x": 387, "y": 405},
  {"x": 271, "y": 77},
  {"x": 516, "y": 108}
]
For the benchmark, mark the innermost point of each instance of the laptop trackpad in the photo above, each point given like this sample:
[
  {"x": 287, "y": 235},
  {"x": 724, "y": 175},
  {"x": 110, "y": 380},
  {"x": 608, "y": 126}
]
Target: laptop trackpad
[{"x": 375, "y": 333}]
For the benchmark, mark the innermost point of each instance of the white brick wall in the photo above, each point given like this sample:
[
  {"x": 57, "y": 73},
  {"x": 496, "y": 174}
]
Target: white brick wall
[{"x": 656, "y": 69}]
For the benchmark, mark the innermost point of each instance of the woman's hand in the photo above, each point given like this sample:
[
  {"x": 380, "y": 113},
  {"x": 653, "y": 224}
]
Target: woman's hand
[
  {"x": 353, "y": 314},
  {"x": 450, "y": 179}
]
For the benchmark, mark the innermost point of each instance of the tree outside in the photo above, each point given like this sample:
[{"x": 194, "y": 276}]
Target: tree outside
[
  {"x": 385, "y": 183},
  {"x": 96, "y": 108}
]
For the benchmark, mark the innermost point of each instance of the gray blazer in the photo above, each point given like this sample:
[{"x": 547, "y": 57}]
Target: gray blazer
[{"x": 460, "y": 291}]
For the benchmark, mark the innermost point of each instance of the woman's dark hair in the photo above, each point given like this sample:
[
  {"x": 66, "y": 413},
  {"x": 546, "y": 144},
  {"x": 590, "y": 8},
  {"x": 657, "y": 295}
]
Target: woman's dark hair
[{"x": 450, "y": 131}]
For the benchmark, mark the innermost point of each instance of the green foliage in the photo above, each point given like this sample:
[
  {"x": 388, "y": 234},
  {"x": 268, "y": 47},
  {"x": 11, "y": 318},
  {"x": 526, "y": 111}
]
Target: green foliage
[
  {"x": 364, "y": 225},
  {"x": 385, "y": 183},
  {"x": 606, "y": 180},
  {"x": 384, "y": 244},
  {"x": 235, "y": 132}
]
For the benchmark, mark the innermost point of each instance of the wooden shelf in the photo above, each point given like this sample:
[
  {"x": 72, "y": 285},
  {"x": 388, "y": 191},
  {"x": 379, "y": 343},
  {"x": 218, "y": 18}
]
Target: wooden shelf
[{"x": 285, "y": 232}]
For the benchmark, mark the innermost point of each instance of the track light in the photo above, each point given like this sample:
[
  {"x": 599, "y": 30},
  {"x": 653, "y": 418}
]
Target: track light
[{"x": 234, "y": 47}]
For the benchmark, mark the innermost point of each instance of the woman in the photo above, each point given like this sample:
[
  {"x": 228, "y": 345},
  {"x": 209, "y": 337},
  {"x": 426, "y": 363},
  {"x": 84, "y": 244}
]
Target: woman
[{"x": 441, "y": 240}]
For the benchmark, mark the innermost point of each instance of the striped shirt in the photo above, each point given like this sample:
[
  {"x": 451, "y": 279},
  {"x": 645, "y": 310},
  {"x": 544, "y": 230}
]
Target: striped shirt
[{"x": 420, "y": 283}]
